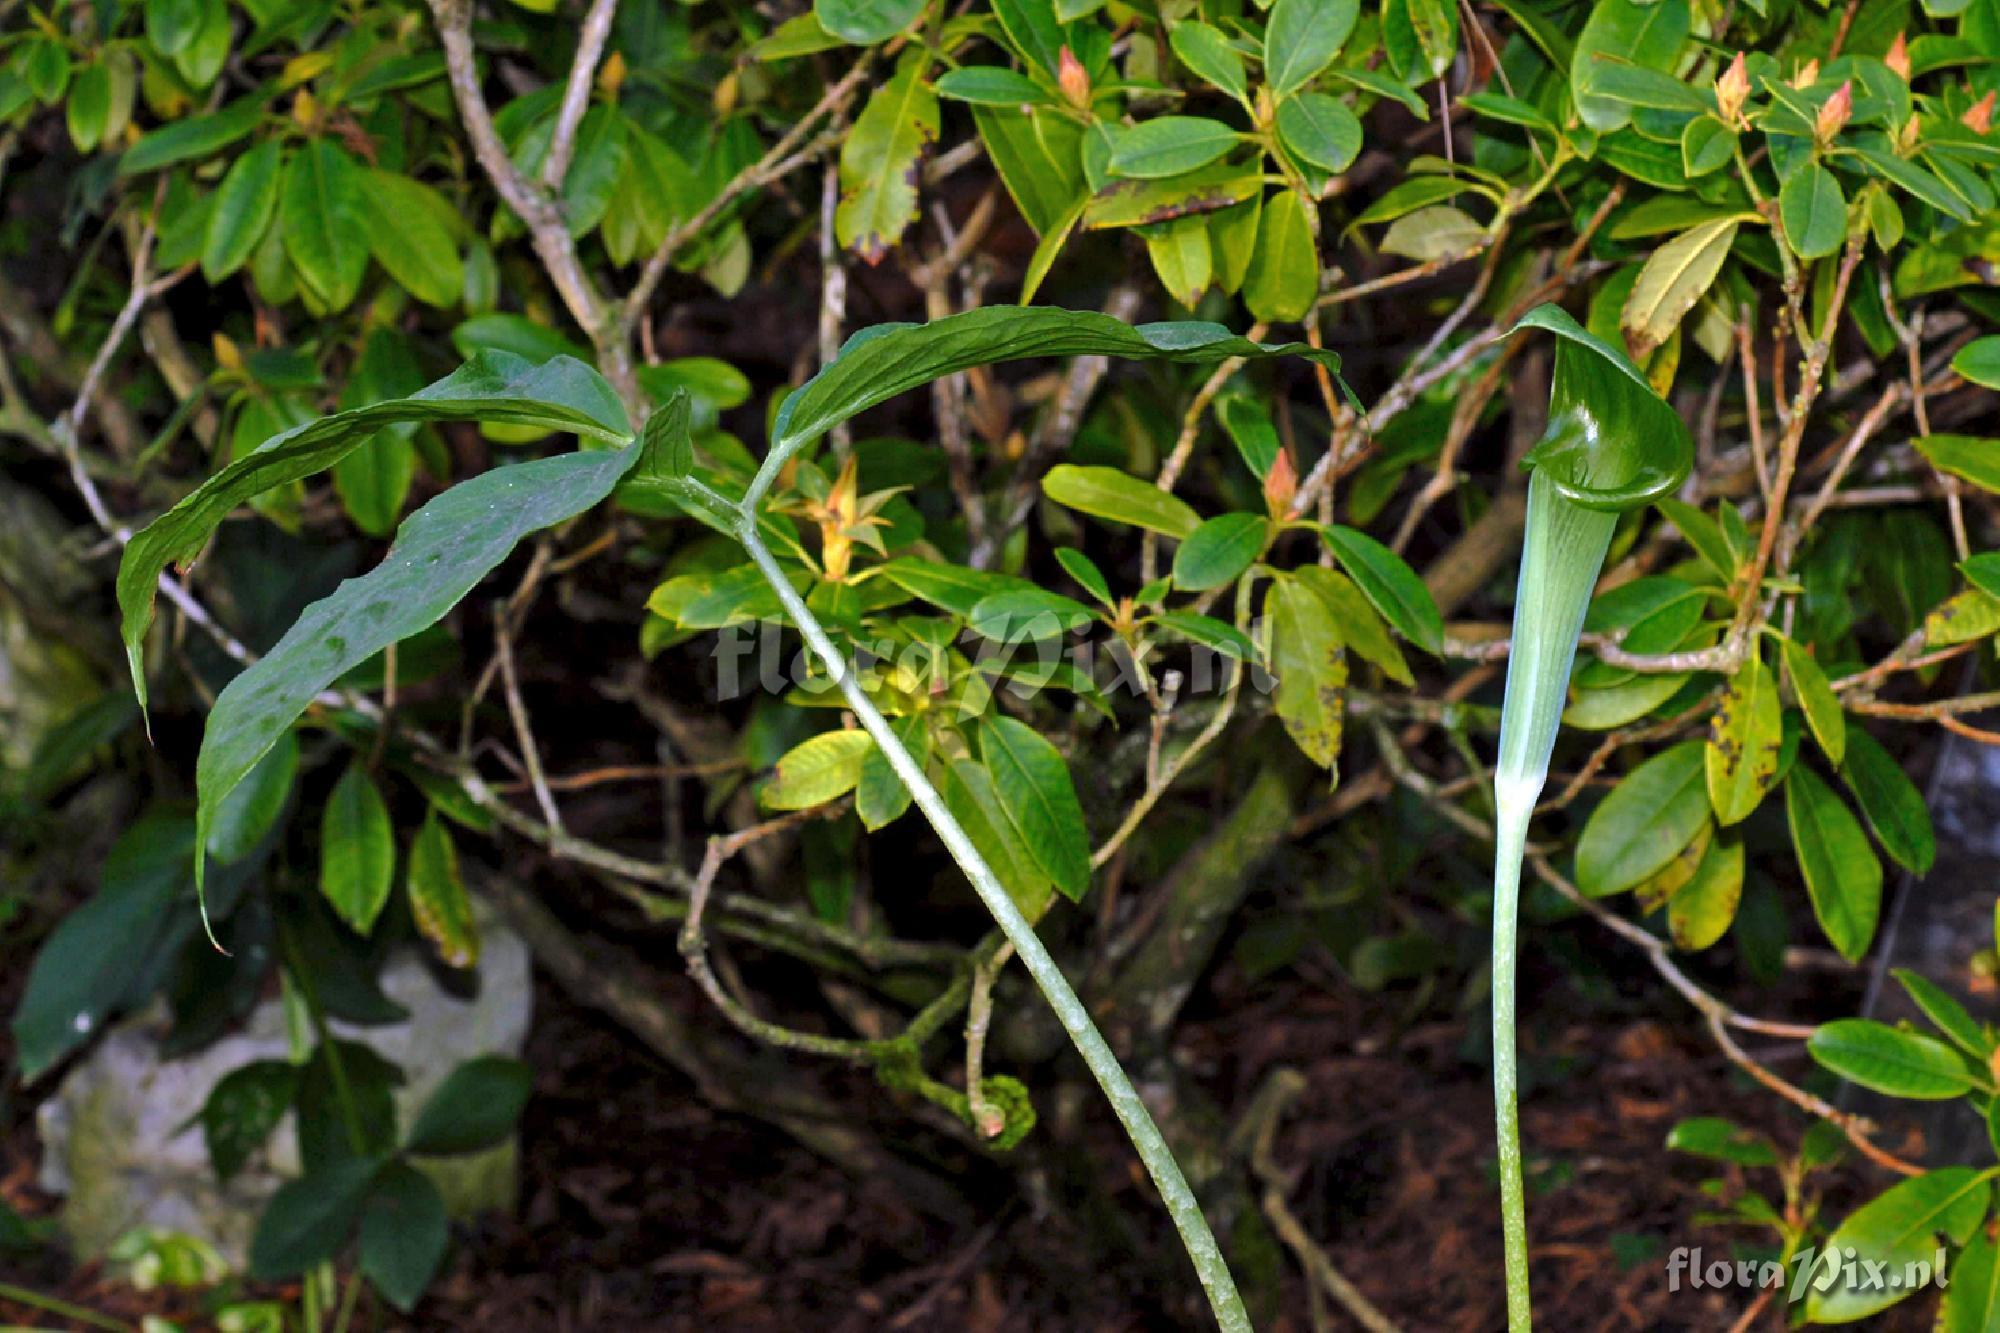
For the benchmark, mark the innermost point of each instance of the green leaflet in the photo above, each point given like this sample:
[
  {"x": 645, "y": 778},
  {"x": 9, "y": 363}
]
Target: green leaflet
[
  {"x": 1842, "y": 875},
  {"x": 1034, "y": 787},
  {"x": 323, "y": 202},
  {"x": 357, "y": 850},
  {"x": 493, "y": 386},
  {"x": 1218, "y": 551},
  {"x": 244, "y": 203},
  {"x": 441, "y": 552},
  {"x": 880, "y": 362}
]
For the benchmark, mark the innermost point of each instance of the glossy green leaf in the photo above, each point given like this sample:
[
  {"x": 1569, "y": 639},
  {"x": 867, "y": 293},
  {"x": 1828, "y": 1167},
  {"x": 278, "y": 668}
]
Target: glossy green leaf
[
  {"x": 865, "y": 22},
  {"x": 1108, "y": 493},
  {"x": 1037, "y": 158},
  {"x": 242, "y": 1110},
  {"x": 323, "y": 203},
  {"x": 1842, "y": 875},
  {"x": 1027, "y": 615},
  {"x": 1388, "y": 582},
  {"x": 1320, "y": 130},
  {"x": 1741, "y": 756},
  {"x": 883, "y": 361},
  {"x": 1360, "y": 627},
  {"x": 1440, "y": 232},
  {"x": 1896, "y": 1229},
  {"x": 89, "y": 107},
  {"x": 968, "y": 792},
  {"x": 1183, "y": 259},
  {"x": 1972, "y": 1302},
  {"x": 1982, "y": 571},
  {"x": 990, "y": 85},
  {"x": 1967, "y": 456},
  {"x": 403, "y": 1234},
  {"x": 1170, "y": 146},
  {"x": 1302, "y": 38},
  {"x": 1890, "y": 1060},
  {"x": 1817, "y": 699},
  {"x": 409, "y": 240},
  {"x": 357, "y": 850},
  {"x": 1653, "y": 812},
  {"x": 819, "y": 769},
  {"x": 1979, "y": 361},
  {"x": 309, "y": 1219},
  {"x": 1648, "y": 35},
  {"x": 1890, "y": 802},
  {"x": 244, "y": 205},
  {"x": 1249, "y": 425},
  {"x": 1034, "y": 787},
  {"x": 1216, "y": 553},
  {"x": 243, "y": 817},
  {"x": 1948, "y": 1015},
  {"x": 1210, "y": 55},
  {"x": 83, "y": 971},
  {"x": 880, "y": 797},
  {"x": 1085, "y": 571},
  {"x": 562, "y": 395},
  {"x": 1420, "y": 38},
  {"x": 171, "y": 24},
  {"x": 442, "y": 551},
  {"x": 1206, "y": 631},
  {"x": 475, "y": 1108},
  {"x": 1814, "y": 212},
  {"x": 1283, "y": 278},
  {"x": 194, "y": 137}
]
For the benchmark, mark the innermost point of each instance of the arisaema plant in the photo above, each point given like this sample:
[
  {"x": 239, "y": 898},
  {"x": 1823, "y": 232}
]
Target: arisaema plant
[{"x": 1611, "y": 445}]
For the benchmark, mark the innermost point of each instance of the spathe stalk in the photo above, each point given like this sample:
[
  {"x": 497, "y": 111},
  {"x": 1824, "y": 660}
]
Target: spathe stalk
[{"x": 1612, "y": 444}]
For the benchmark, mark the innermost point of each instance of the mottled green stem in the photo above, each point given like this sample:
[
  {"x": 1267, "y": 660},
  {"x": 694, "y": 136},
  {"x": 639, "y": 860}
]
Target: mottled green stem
[{"x": 1185, "y": 1209}]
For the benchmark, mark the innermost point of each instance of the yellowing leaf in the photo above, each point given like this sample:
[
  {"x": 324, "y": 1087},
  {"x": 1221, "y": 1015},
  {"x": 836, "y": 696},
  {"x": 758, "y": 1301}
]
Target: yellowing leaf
[
  {"x": 1311, "y": 665},
  {"x": 1741, "y": 757},
  {"x": 1972, "y": 614},
  {"x": 879, "y": 161},
  {"x": 818, "y": 770},
  {"x": 1702, "y": 910},
  {"x": 437, "y": 895},
  {"x": 1673, "y": 280}
]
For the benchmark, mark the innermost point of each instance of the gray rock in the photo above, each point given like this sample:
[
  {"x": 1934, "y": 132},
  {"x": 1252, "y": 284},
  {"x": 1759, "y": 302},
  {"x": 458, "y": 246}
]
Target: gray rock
[{"x": 119, "y": 1144}]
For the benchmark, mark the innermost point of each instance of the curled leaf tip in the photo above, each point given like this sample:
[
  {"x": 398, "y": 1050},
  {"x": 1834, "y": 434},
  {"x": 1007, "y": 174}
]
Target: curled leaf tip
[{"x": 1612, "y": 443}]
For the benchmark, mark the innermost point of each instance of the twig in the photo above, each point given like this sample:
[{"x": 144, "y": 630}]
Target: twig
[
  {"x": 548, "y": 231},
  {"x": 590, "y": 41},
  {"x": 987, "y": 1119},
  {"x": 775, "y": 163},
  {"x": 1281, "y": 1089},
  {"x": 503, "y": 651}
]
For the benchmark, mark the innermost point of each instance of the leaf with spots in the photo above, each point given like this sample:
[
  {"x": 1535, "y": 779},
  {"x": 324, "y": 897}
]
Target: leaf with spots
[
  {"x": 562, "y": 394},
  {"x": 437, "y": 895},
  {"x": 1741, "y": 757},
  {"x": 1310, "y": 660},
  {"x": 441, "y": 552},
  {"x": 879, "y": 161}
]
